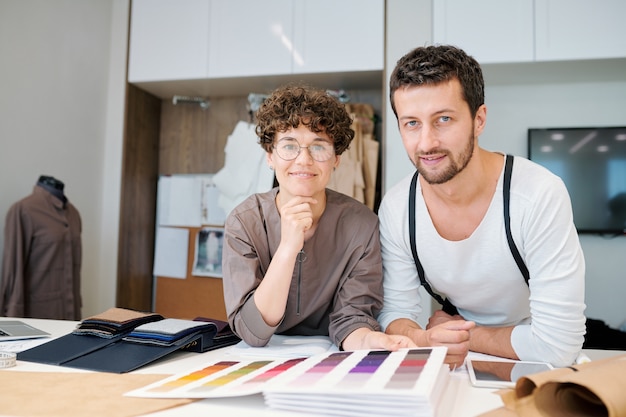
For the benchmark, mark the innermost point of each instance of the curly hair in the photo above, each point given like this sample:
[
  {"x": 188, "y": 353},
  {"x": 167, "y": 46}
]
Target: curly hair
[
  {"x": 431, "y": 65},
  {"x": 293, "y": 105}
]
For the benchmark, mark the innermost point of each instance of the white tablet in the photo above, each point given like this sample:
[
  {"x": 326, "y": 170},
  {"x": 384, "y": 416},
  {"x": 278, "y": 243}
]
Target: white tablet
[{"x": 501, "y": 374}]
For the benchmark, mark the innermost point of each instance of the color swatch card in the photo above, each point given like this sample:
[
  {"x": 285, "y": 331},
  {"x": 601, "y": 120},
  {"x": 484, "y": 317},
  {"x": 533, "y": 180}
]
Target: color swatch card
[
  {"x": 225, "y": 378},
  {"x": 359, "y": 383},
  {"x": 408, "y": 382}
]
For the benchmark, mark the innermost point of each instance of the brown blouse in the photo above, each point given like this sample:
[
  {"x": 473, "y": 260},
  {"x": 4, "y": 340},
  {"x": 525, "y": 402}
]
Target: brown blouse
[{"x": 335, "y": 290}]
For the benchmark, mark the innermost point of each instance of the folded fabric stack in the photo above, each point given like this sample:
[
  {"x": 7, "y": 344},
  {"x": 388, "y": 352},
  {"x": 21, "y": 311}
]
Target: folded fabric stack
[
  {"x": 168, "y": 332},
  {"x": 114, "y": 322}
]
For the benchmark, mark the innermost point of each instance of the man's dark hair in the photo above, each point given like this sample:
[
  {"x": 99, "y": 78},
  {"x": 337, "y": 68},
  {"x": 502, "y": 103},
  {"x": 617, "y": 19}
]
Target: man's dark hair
[{"x": 431, "y": 65}]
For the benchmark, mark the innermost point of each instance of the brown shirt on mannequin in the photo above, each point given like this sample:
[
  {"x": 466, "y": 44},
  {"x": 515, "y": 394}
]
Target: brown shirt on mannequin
[{"x": 42, "y": 259}]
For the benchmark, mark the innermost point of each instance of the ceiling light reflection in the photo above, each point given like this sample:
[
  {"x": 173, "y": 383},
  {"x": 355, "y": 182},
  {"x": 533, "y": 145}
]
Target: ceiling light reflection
[
  {"x": 583, "y": 142},
  {"x": 546, "y": 148},
  {"x": 277, "y": 30}
]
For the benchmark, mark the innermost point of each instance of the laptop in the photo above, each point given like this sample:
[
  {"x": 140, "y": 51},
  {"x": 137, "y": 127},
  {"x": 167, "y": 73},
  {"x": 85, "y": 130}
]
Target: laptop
[{"x": 17, "y": 330}]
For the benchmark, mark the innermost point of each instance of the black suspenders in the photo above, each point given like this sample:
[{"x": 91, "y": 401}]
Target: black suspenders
[
  {"x": 506, "y": 190},
  {"x": 448, "y": 307}
]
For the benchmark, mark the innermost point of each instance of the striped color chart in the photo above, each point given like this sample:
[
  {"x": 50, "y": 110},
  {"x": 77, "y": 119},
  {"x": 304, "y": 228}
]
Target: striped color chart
[
  {"x": 407, "y": 382},
  {"x": 250, "y": 384},
  {"x": 194, "y": 376},
  {"x": 223, "y": 378},
  {"x": 350, "y": 372},
  {"x": 399, "y": 373},
  {"x": 409, "y": 370}
]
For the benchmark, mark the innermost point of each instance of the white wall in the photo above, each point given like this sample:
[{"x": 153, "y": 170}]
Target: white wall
[
  {"x": 101, "y": 290},
  {"x": 61, "y": 114},
  {"x": 408, "y": 25}
]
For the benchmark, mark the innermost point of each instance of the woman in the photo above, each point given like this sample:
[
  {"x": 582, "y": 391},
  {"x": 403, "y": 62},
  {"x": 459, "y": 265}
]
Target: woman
[{"x": 302, "y": 259}]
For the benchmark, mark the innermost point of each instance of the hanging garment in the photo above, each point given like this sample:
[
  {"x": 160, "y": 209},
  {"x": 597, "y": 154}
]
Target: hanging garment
[
  {"x": 357, "y": 172},
  {"x": 41, "y": 259},
  {"x": 245, "y": 171}
]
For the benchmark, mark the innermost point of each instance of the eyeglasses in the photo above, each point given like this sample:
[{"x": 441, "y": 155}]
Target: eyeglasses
[{"x": 289, "y": 149}]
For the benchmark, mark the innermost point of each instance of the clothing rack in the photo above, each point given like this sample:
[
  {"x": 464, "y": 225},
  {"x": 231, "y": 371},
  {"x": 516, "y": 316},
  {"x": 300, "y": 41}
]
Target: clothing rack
[
  {"x": 204, "y": 103},
  {"x": 340, "y": 95}
]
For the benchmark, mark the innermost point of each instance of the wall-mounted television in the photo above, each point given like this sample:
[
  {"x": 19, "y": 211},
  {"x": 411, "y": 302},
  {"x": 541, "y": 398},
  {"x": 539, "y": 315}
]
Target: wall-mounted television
[{"x": 592, "y": 163}]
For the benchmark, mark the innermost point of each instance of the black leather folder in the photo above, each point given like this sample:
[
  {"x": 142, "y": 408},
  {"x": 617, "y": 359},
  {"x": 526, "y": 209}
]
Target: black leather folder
[
  {"x": 65, "y": 348},
  {"x": 224, "y": 337},
  {"x": 125, "y": 356}
]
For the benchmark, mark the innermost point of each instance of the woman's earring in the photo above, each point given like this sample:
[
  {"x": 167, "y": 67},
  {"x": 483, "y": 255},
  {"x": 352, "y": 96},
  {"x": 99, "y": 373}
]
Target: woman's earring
[{"x": 272, "y": 168}]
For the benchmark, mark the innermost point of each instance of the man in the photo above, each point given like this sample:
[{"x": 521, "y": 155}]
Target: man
[{"x": 437, "y": 95}]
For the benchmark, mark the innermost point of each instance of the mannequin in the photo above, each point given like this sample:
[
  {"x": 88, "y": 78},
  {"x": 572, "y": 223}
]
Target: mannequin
[
  {"x": 51, "y": 181},
  {"x": 54, "y": 186},
  {"x": 42, "y": 255}
]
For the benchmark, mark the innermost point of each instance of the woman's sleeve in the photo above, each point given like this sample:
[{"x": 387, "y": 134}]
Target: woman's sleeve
[
  {"x": 242, "y": 274},
  {"x": 359, "y": 296}
]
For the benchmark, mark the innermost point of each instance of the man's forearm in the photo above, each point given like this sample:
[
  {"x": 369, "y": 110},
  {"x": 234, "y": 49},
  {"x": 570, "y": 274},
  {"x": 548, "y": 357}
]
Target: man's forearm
[{"x": 492, "y": 341}]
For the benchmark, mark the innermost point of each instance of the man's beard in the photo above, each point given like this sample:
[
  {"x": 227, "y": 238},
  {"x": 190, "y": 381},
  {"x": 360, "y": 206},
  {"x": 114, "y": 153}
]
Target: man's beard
[{"x": 456, "y": 164}]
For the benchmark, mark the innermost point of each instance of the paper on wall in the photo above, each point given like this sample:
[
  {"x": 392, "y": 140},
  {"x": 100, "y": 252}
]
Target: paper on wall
[{"x": 170, "y": 256}]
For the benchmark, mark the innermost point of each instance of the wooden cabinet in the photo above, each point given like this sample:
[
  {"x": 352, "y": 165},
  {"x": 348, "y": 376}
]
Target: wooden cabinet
[
  {"x": 580, "y": 29},
  {"x": 169, "y": 40},
  {"x": 494, "y": 31}
]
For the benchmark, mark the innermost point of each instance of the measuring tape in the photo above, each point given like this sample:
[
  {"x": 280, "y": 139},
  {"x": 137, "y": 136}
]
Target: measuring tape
[{"x": 7, "y": 359}]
